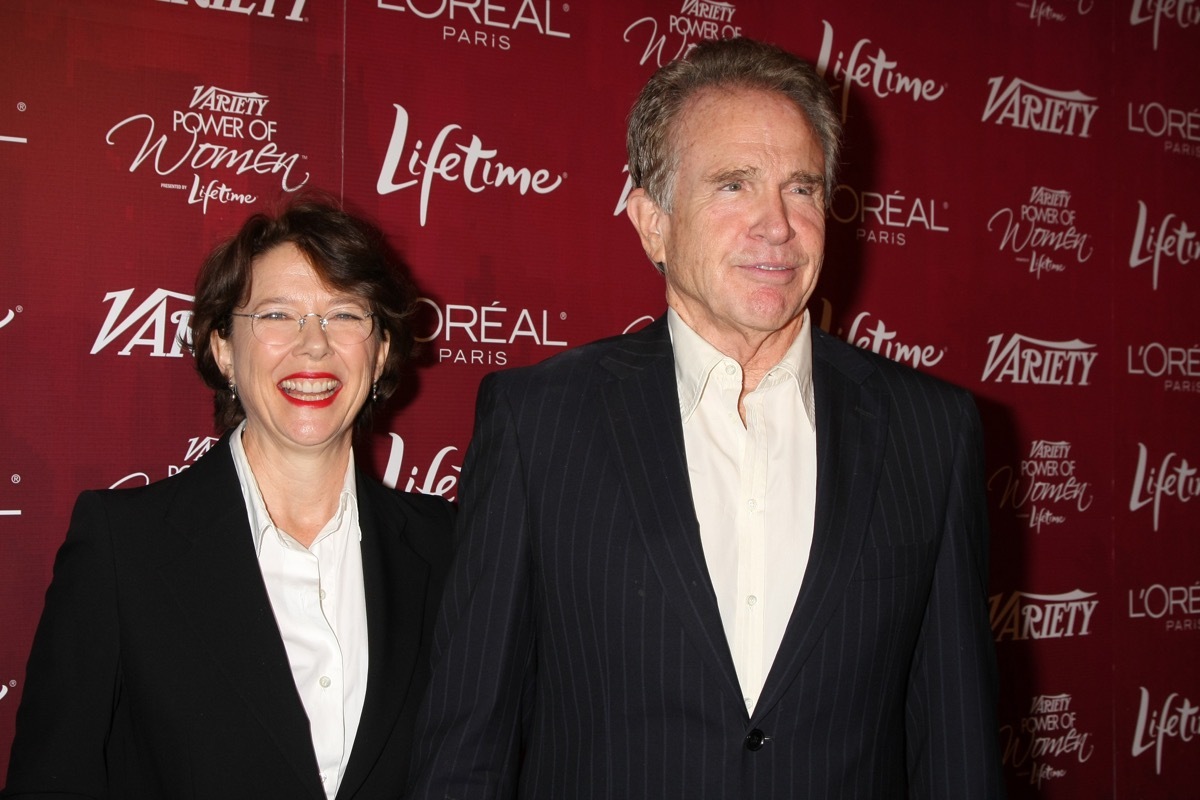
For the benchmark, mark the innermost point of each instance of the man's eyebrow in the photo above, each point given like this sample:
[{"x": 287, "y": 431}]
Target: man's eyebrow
[
  {"x": 806, "y": 177},
  {"x": 732, "y": 175}
]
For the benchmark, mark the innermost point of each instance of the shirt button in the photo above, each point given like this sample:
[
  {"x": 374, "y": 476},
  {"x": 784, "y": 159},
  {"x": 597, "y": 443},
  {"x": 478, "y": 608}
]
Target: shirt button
[
  {"x": 753, "y": 504},
  {"x": 751, "y": 600},
  {"x": 730, "y": 369},
  {"x": 324, "y": 681},
  {"x": 322, "y": 593}
]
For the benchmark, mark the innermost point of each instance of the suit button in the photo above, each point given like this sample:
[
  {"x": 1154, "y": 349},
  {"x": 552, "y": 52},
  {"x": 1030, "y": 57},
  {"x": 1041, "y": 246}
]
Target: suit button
[{"x": 755, "y": 739}]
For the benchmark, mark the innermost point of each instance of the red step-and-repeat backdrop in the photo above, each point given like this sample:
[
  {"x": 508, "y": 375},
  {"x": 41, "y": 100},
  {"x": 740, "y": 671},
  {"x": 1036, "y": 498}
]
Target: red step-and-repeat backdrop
[{"x": 1017, "y": 214}]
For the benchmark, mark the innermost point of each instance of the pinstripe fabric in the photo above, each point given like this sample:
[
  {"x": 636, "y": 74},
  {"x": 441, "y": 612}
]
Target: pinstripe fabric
[{"x": 580, "y": 653}]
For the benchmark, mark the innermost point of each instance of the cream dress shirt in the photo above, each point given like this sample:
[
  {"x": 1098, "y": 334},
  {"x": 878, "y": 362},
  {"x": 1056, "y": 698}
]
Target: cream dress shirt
[
  {"x": 320, "y": 606},
  {"x": 754, "y": 488}
]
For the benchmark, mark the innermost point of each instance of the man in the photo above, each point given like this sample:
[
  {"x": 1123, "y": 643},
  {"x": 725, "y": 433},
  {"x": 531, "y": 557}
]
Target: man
[{"x": 726, "y": 556}]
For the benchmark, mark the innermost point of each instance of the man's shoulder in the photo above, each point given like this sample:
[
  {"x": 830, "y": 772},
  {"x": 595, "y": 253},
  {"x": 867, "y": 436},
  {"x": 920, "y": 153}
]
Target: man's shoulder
[{"x": 589, "y": 363}]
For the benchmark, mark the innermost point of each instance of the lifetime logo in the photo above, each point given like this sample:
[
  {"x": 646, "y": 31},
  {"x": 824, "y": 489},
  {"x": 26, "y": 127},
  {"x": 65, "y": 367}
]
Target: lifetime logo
[
  {"x": 1023, "y": 359},
  {"x": 265, "y": 9}
]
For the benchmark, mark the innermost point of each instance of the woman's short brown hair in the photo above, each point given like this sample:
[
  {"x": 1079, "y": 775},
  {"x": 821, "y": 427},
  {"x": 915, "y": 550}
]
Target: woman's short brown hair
[{"x": 347, "y": 253}]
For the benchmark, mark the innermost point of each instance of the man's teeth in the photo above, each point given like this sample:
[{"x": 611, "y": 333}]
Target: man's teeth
[{"x": 310, "y": 386}]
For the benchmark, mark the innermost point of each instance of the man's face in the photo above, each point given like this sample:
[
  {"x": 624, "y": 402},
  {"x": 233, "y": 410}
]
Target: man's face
[{"x": 744, "y": 241}]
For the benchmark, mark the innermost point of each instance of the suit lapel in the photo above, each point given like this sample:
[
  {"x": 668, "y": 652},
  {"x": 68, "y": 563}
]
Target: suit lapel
[
  {"x": 851, "y": 439},
  {"x": 642, "y": 402},
  {"x": 210, "y": 568},
  {"x": 395, "y": 580}
]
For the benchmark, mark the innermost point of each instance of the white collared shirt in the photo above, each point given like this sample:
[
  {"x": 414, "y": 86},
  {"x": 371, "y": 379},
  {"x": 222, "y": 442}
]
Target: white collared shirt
[
  {"x": 320, "y": 607},
  {"x": 754, "y": 488}
]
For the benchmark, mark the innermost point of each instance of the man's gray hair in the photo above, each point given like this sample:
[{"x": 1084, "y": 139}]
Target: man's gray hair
[{"x": 722, "y": 64}]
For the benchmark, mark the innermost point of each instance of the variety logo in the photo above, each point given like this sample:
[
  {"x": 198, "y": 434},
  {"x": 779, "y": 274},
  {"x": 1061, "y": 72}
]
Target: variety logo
[
  {"x": 1177, "y": 718},
  {"x": 163, "y": 323},
  {"x": 1179, "y": 605},
  {"x": 1183, "y": 13},
  {"x": 476, "y": 334},
  {"x": 1178, "y": 367},
  {"x": 885, "y": 218},
  {"x": 1179, "y": 129},
  {"x": 1025, "y": 105},
  {"x": 480, "y": 24},
  {"x": 261, "y": 8},
  {"x": 440, "y": 478},
  {"x": 1042, "y": 232},
  {"x": 1023, "y": 359},
  {"x": 696, "y": 21},
  {"x": 196, "y": 447},
  {"x": 451, "y": 159},
  {"x": 219, "y": 130},
  {"x": 868, "y": 67},
  {"x": 1043, "y": 11},
  {"x": 1044, "y": 482},
  {"x": 1172, "y": 479},
  {"x": 1171, "y": 238},
  {"x": 1042, "y": 616},
  {"x": 1046, "y": 735}
]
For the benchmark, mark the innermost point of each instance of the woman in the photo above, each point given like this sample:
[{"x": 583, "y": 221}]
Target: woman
[{"x": 258, "y": 625}]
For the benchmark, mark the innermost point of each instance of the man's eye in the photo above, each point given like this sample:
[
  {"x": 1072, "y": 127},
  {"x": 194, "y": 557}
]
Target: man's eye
[{"x": 732, "y": 186}]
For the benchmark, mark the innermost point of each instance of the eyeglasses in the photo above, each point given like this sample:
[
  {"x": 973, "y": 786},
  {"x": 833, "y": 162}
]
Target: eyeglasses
[{"x": 343, "y": 326}]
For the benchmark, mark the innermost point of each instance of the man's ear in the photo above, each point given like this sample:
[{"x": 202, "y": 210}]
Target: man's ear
[{"x": 649, "y": 220}]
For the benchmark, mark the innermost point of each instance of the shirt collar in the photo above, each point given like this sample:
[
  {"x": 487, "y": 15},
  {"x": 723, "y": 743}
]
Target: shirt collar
[
  {"x": 695, "y": 360},
  {"x": 256, "y": 507}
]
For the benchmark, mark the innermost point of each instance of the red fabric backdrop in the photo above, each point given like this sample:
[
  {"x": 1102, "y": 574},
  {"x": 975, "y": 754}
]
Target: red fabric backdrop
[{"x": 1017, "y": 214}]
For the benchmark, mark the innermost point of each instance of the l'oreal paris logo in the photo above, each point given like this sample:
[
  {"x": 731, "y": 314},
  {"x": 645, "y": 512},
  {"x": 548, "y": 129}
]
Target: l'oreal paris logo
[
  {"x": 450, "y": 159},
  {"x": 1023, "y": 359},
  {"x": 486, "y": 23},
  {"x": 1021, "y": 104},
  {"x": 259, "y": 8}
]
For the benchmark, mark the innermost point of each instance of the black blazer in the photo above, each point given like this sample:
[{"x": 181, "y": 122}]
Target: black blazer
[
  {"x": 158, "y": 670},
  {"x": 580, "y": 653}
]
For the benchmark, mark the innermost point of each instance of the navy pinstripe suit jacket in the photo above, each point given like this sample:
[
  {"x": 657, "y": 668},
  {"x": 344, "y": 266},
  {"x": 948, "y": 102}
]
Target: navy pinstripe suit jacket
[{"x": 580, "y": 652}]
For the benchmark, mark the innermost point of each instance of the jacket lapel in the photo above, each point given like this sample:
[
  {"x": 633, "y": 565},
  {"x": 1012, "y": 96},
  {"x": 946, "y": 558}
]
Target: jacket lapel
[
  {"x": 210, "y": 568},
  {"x": 642, "y": 403},
  {"x": 395, "y": 579},
  {"x": 851, "y": 438}
]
